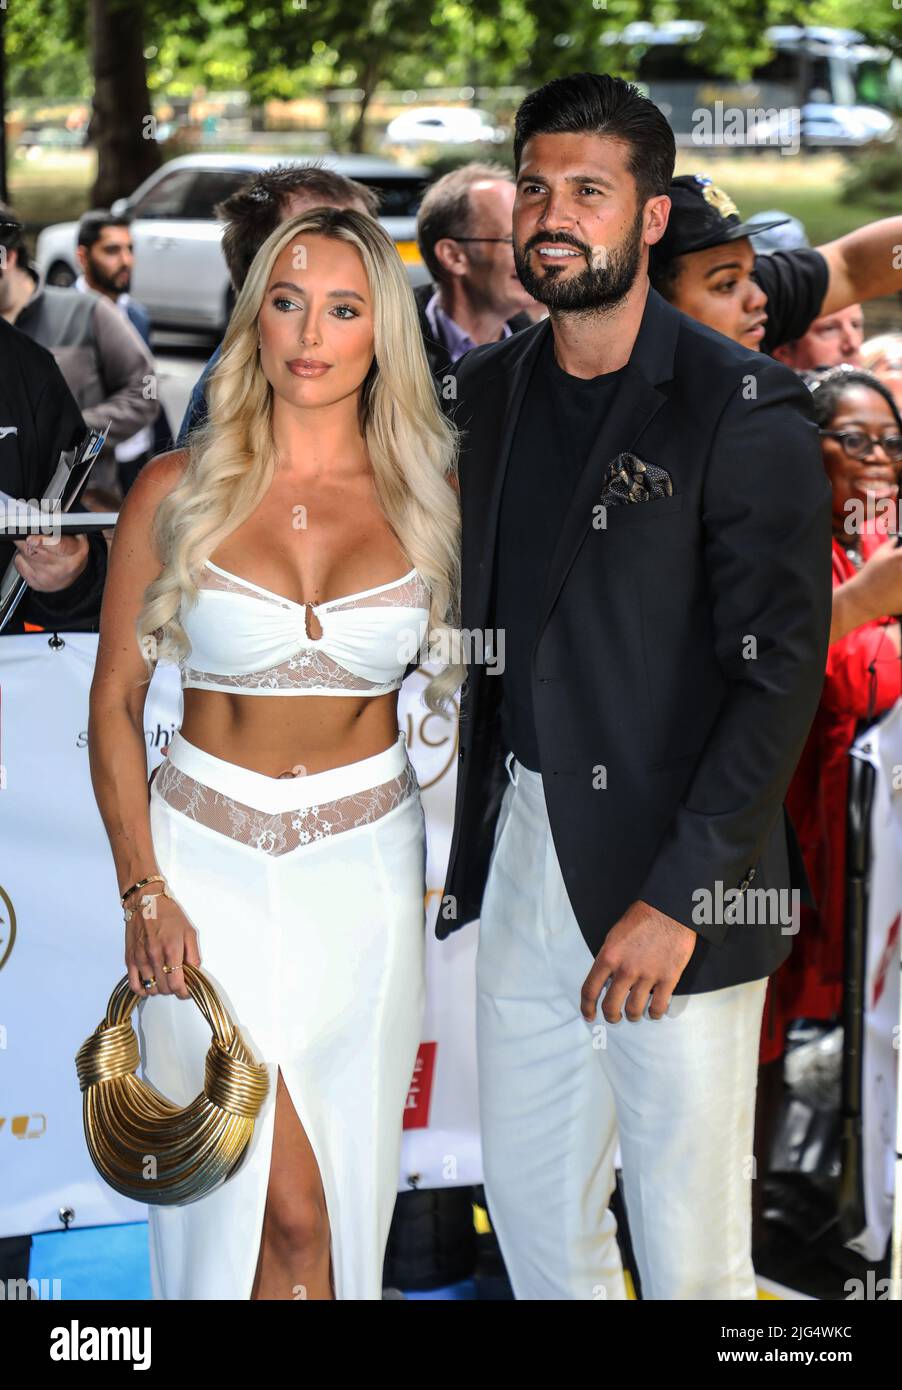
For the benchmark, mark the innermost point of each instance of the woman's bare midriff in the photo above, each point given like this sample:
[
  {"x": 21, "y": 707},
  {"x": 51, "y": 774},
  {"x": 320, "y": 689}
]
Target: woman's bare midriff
[{"x": 275, "y": 733}]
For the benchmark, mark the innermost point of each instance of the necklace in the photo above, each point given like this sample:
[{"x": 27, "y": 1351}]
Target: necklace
[{"x": 852, "y": 551}]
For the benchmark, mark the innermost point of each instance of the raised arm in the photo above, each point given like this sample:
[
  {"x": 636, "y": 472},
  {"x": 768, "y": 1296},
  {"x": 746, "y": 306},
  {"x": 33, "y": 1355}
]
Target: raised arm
[{"x": 864, "y": 264}]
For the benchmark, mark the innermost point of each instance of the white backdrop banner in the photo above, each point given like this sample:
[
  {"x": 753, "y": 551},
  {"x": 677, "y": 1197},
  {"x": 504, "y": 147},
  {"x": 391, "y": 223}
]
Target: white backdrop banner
[
  {"x": 881, "y": 746},
  {"x": 62, "y": 938}
]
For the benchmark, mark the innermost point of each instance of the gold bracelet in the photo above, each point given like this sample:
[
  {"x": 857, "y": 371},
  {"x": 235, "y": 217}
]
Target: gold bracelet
[
  {"x": 147, "y": 898},
  {"x": 154, "y": 878}
]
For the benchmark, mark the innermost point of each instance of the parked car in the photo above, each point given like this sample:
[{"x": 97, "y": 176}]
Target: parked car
[
  {"x": 443, "y": 125},
  {"x": 180, "y": 273},
  {"x": 825, "y": 125}
]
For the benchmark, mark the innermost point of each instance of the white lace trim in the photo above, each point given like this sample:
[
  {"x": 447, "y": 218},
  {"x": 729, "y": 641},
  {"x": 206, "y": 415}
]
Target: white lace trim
[
  {"x": 308, "y": 667},
  {"x": 305, "y": 668},
  {"x": 280, "y": 832}
]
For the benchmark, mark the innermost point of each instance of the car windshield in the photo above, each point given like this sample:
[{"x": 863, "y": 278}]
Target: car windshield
[
  {"x": 398, "y": 196},
  {"x": 879, "y": 84},
  {"x": 194, "y": 193}
]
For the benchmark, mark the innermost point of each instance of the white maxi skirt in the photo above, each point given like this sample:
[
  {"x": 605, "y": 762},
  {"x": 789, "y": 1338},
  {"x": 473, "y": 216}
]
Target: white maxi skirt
[{"x": 307, "y": 894}]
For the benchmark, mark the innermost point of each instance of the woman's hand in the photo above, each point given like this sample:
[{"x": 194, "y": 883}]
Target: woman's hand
[
  {"x": 159, "y": 934},
  {"x": 874, "y": 592},
  {"x": 880, "y": 578}
]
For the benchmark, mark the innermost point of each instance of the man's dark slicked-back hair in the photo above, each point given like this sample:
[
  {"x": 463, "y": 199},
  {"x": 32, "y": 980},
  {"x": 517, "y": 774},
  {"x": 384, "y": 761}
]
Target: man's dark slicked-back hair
[{"x": 595, "y": 103}]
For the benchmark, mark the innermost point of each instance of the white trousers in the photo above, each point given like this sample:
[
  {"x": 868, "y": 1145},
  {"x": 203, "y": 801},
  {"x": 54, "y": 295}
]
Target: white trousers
[{"x": 557, "y": 1093}]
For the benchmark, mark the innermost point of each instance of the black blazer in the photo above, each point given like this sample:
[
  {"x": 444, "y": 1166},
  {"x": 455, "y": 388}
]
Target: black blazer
[{"x": 681, "y": 649}]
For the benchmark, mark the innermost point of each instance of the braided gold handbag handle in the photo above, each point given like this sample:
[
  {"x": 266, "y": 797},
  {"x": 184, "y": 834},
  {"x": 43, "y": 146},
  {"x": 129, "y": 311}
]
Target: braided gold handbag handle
[{"x": 142, "y": 1144}]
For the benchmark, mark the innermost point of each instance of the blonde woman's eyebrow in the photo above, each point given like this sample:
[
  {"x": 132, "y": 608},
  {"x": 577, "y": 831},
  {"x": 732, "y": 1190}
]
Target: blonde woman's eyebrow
[{"x": 333, "y": 294}]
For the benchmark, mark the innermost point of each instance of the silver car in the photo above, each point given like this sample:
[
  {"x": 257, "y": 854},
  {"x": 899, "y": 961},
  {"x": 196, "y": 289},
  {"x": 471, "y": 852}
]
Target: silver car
[{"x": 179, "y": 273}]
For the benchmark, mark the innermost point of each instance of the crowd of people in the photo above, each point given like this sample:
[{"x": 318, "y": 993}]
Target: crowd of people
[{"x": 82, "y": 356}]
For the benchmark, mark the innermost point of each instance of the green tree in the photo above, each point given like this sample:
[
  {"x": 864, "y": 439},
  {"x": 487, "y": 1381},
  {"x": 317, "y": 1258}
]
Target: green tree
[{"x": 126, "y": 50}]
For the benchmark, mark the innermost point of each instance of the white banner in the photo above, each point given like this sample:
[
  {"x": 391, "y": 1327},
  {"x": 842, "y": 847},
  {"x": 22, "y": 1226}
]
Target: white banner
[
  {"x": 881, "y": 746},
  {"x": 62, "y": 938}
]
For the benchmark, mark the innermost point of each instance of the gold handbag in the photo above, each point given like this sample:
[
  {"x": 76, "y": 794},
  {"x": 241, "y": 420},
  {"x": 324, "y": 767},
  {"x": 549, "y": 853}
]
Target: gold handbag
[{"x": 128, "y": 1122}]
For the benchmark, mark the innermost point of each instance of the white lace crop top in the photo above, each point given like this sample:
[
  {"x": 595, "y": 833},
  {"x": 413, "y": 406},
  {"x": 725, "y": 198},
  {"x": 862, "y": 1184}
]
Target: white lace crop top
[{"x": 248, "y": 640}]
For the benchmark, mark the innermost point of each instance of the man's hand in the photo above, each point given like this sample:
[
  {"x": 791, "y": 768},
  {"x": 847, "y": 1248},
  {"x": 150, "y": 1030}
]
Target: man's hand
[
  {"x": 49, "y": 564},
  {"x": 645, "y": 951}
]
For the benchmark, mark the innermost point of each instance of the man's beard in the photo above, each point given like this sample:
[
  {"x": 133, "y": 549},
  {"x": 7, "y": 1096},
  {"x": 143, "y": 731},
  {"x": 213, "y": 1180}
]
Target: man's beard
[
  {"x": 598, "y": 288},
  {"x": 113, "y": 284}
]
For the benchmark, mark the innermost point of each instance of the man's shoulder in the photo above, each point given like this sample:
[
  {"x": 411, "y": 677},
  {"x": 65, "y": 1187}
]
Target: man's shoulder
[
  {"x": 19, "y": 347},
  {"x": 200, "y": 386},
  {"x": 139, "y": 316},
  {"x": 67, "y": 314},
  {"x": 519, "y": 321},
  {"x": 794, "y": 263},
  {"x": 707, "y": 356},
  {"x": 28, "y": 362},
  {"x": 92, "y": 306},
  {"x": 700, "y": 346},
  {"x": 503, "y": 356},
  {"x": 69, "y": 296}
]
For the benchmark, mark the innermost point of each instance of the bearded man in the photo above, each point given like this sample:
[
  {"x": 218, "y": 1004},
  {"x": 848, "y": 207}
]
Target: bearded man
[{"x": 646, "y": 535}]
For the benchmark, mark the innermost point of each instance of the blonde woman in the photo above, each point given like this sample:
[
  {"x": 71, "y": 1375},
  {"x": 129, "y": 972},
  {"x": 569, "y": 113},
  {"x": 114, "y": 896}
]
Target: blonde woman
[{"x": 294, "y": 561}]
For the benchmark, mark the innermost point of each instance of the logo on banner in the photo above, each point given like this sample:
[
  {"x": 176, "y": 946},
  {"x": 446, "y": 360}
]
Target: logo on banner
[
  {"x": 7, "y": 926},
  {"x": 431, "y": 738},
  {"x": 416, "y": 1109}
]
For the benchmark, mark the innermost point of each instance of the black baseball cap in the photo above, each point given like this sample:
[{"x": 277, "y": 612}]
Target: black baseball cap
[{"x": 702, "y": 215}]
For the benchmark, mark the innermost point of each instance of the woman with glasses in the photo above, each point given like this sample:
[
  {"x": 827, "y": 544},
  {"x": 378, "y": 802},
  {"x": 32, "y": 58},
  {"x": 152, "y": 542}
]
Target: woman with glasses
[{"x": 861, "y": 439}]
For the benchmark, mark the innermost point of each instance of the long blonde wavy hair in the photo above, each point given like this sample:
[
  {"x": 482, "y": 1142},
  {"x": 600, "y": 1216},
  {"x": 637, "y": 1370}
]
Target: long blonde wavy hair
[{"x": 232, "y": 457}]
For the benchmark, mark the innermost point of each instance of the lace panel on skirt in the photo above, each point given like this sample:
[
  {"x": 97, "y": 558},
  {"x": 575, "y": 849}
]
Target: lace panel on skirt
[{"x": 280, "y": 832}]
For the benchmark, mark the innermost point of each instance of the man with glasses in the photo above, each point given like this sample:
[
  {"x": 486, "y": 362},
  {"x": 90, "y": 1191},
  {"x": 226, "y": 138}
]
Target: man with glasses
[{"x": 464, "y": 235}]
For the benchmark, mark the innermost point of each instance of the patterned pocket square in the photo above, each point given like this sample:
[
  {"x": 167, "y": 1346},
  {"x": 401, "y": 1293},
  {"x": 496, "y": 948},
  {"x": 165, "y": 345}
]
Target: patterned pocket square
[{"x": 629, "y": 479}]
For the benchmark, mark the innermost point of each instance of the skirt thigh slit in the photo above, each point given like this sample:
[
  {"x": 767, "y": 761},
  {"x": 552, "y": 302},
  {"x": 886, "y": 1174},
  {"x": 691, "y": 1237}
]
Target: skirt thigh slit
[{"x": 319, "y": 956}]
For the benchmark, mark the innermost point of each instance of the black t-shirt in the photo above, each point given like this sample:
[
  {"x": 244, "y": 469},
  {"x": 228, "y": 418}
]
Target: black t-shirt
[
  {"x": 795, "y": 283},
  {"x": 39, "y": 419},
  {"x": 558, "y": 424}
]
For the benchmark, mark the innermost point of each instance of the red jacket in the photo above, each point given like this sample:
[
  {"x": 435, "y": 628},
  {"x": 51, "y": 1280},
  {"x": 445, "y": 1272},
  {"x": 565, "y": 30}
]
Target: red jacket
[{"x": 863, "y": 679}]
